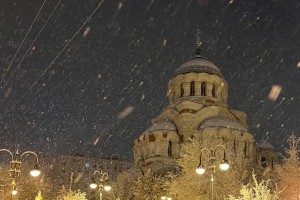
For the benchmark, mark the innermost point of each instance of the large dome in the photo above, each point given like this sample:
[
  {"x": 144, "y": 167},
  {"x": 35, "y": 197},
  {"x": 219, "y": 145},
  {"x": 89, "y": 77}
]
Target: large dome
[{"x": 198, "y": 64}]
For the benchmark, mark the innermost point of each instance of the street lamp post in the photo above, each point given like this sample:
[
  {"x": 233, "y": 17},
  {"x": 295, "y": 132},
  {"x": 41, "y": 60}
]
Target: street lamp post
[
  {"x": 224, "y": 165},
  {"x": 15, "y": 167},
  {"x": 103, "y": 177}
]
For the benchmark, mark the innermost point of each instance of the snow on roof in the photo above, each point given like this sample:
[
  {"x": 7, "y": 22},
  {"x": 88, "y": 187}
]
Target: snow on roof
[
  {"x": 198, "y": 65},
  {"x": 222, "y": 122},
  {"x": 264, "y": 144},
  {"x": 162, "y": 125}
]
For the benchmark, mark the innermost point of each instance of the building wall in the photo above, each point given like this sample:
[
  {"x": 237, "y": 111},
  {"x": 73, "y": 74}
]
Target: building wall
[{"x": 77, "y": 172}]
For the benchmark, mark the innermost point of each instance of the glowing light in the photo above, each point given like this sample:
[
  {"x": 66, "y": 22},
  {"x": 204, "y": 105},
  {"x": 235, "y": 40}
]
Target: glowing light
[
  {"x": 200, "y": 169},
  {"x": 224, "y": 165},
  {"x": 93, "y": 185},
  {"x": 107, "y": 188},
  {"x": 14, "y": 192},
  {"x": 35, "y": 172}
]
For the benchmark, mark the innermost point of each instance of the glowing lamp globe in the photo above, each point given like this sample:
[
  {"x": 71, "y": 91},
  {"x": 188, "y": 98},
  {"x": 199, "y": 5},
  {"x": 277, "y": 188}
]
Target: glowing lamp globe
[
  {"x": 224, "y": 165},
  {"x": 107, "y": 188},
  {"x": 35, "y": 172},
  {"x": 200, "y": 169},
  {"x": 93, "y": 185},
  {"x": 14, "y": 192}
]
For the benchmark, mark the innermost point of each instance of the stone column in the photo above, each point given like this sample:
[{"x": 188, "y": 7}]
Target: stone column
[
  {"x": 208, "y": 89},
  {"x": 197, "y": 88},
  {"x": 186, "y": 87}
]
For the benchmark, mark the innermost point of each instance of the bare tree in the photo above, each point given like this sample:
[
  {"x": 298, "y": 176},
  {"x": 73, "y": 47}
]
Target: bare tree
[
  {"x": 68, "y": 194},
  {"x": 289, "y": 172},
  {"x": 256, "y": 191},
  {"x": 150, "y": 187}
]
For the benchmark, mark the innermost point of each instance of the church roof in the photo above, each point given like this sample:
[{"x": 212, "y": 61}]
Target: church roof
[
  {"x": 264, "y": 145},
  {"x": 222, "y": 122},
  {"x": 162, "y": 125},
  {"x": 198, "y": 64}
]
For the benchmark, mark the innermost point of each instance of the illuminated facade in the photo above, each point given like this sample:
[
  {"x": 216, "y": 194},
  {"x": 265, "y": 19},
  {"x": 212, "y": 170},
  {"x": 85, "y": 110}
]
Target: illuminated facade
[{"x": 197, "y": 109}]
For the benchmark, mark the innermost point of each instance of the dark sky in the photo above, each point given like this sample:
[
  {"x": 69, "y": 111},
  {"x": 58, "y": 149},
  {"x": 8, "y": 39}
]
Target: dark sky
[{"x": 130, "y": 51}]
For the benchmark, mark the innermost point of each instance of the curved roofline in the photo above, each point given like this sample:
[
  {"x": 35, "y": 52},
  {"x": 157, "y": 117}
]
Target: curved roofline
[
  {"x": 198, "y": 64},
  {"x": 232, "y": 124},
  {"x": 151, "y": 128},
  {"x": 264, "y": 145}
]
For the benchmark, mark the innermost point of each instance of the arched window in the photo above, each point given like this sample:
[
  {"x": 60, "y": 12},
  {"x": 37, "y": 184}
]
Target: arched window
[
  {"x": 203, "y": 89},
  {"x": 192, "y": 88},
  {"x": 170, "y": 148},
  {"x": 213, "y": 91},
  {"x": 263, "y": 162},
  {"x": 181, "y": 90}
]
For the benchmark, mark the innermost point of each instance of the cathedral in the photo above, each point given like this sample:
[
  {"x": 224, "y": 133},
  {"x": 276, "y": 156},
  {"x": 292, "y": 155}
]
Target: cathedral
[{"x": 198, "y": 108}]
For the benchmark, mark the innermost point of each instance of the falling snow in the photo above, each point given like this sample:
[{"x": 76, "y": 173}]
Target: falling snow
[{"x": 111, "y": 80}]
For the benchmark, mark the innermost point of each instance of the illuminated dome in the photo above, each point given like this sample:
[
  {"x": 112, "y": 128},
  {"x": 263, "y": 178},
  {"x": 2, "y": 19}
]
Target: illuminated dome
[{"x": 198, "y": 64}]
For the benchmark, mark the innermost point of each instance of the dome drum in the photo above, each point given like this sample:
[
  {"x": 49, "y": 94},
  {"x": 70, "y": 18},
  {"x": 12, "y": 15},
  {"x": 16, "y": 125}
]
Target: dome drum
[{"x": 198, "y": 85}]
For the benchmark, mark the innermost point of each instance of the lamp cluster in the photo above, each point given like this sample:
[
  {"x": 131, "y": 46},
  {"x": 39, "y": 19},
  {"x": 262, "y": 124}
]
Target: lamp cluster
[
  {"x": 15, "y": 168},
  {"x": 103, "y": 177},
  {"x": 224, "y": 165}
]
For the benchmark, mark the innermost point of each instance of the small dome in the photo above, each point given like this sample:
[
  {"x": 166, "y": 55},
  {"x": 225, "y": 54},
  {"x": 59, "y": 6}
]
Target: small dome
[
  {"x": 198, "y": 65},
  {"x": 222, "y": 122},
  {"x": 264, "y": 145},
  {"x": 162, "y": 125}
]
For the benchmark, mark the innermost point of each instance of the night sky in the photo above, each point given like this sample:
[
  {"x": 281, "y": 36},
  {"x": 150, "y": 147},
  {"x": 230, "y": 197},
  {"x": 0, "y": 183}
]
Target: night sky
[{"x": 122, "y": 59}]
